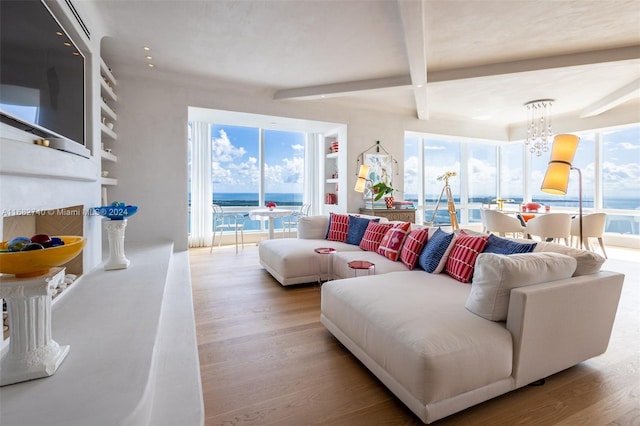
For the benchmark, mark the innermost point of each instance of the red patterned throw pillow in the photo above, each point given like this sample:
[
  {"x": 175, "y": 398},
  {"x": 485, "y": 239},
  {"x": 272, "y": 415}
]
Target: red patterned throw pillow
[
  {"x": 392, "y": 241},
  {"x": 338, "y": 227},
  {"x": 462, "y": 258},
  {"x": 373, "y": 236},
  {"x": 413, "y": 246}
]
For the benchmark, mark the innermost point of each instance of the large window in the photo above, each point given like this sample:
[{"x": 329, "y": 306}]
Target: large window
[
  {"x": 250, "y": 166},
  {"x": 609, "y": 163}
]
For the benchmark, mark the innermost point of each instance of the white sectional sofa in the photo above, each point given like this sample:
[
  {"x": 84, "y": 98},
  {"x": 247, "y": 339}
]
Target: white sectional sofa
[{"x": 441, "y": 345}]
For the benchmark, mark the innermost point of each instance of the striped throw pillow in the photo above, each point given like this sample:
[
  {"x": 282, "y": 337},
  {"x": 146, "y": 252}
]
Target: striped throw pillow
[
  {"x": 338, "y": 227},
  {"x": 373, "y": 236},
  {"x": 462, "y": 259},
  {"x": 413, "y": 246}
]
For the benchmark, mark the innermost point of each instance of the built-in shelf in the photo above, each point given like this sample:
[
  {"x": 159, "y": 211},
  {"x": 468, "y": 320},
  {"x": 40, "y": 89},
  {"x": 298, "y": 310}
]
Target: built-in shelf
[
  {"x": 108, "y": 181},
  {"x": 107, "y": 156},
  {"x": 107, "y": 111},
  {"x": 107, "y": 89},
  {"x": 333, "y": 155},
  {"x": 332, "y": 180},
  {"x": 107, "y": 131}
]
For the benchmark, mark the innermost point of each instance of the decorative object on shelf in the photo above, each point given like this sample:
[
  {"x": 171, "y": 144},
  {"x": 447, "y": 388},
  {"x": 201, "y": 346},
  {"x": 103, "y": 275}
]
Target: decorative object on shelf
[
  {"x": 33, "y": 276},
  {"x": 271, "y": 205},
  {"x": 539, "y": 125},
  {"x": 104, "y": 173},
  {"x": 334, "y": 146},
  {"x": 115, "y": 223},
  {"x": 32, "y": 263},
  {"x": 116, "y": 211},
  {"x": 556, "y": 178}
]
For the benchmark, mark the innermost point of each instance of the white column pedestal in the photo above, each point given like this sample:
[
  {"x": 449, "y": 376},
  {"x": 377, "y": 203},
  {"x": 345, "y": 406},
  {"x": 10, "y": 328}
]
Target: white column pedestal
[
  {"x": 115, "y": 231},
  {"x": 31, "y": 353}
]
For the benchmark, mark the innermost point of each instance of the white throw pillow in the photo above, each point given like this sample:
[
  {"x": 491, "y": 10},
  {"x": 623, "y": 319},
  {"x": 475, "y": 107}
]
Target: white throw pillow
[
  {"x": 313, "y": 227},
  {"x": 588, "y": 261},
  {"x": 497, "y": 274}
]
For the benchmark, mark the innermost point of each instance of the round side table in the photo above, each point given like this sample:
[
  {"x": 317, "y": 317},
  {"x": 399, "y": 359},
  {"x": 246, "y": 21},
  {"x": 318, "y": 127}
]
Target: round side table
[
  {"x": 362, "y": 265},
  {"x": 325, "y": 251}
]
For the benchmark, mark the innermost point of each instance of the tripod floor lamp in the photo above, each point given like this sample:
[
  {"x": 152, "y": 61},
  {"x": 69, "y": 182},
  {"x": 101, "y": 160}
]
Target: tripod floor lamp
[{"x": 556, "y": 179}]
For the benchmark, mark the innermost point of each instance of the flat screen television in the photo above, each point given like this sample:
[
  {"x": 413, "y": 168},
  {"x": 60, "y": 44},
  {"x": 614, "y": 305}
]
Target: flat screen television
[{"x": 42, "y": 78}]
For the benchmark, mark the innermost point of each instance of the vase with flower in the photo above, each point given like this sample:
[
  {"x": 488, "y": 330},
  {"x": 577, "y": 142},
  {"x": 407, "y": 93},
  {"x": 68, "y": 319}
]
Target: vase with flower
[{"x": 271, "y": 205}]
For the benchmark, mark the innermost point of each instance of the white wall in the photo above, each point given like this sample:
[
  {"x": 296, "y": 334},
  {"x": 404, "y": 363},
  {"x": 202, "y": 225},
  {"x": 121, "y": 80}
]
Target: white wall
[{"x": 152, "y": 143}]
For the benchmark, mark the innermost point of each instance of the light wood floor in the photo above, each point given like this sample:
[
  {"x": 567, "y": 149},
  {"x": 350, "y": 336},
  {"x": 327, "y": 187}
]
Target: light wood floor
[{"x": 265, "y": 359}]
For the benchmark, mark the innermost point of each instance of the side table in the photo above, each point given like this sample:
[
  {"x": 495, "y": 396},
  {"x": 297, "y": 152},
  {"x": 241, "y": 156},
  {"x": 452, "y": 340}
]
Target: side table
[
  {"x": 362, "y": 265},
  {"x": 325, "y": 251}
]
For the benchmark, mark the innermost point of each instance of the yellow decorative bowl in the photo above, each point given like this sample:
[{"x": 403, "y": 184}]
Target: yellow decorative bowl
[{"x": 26, "y": 264}]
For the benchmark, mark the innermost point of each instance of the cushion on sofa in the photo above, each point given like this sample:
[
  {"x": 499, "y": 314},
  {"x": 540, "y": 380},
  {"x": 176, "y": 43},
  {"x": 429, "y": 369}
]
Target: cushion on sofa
[
  {"x": 434, "y": 255},
  {"x": 338, "y": 227},
  {"x": 413, "y": 246},
  {"x": 497, "y": 274},
  {"x": 393, "y": 239},
  {"x": 500, "y": 245},
  {"x": 373, "y": 236},
  {"x": 313, "y": 227},
  {"x": 588, "y": 261},
  {"x": 357, "y": 228},
  {"x": 462, "y": 258}
]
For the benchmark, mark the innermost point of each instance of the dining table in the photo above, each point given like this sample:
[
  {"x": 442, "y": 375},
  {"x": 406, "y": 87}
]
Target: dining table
[{"x": 271, "y": 214}]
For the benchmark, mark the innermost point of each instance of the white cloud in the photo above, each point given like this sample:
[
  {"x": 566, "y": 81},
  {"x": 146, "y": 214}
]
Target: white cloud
[
  {"x": 628, "y": 145},
  {"x": 297, "y": 147},
  {"x": 223, "y": 150}
]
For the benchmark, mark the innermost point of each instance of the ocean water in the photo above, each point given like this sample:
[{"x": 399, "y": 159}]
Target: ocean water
[{"x": 250, "y": 199}]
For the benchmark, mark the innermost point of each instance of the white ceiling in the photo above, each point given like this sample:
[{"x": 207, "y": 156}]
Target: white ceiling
[{"x": 478, "y": 57}]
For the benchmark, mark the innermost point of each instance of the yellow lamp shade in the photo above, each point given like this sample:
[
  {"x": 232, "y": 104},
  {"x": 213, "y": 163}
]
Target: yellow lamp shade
[
  {"x": 360, "y": 184},
  {"x": 556, "y": 179},
  {"x": 564, "y": 148},
  {"x": 363, "y": 173}
]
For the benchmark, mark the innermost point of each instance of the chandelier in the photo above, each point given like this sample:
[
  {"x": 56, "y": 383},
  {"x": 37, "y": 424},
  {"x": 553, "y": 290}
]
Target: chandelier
[{"x": 539, "y": 126}]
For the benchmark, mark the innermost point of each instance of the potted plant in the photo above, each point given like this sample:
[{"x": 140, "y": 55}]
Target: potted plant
[{"x": 381, "y": 189}]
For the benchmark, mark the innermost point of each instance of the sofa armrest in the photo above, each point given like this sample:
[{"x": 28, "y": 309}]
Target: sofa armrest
[
  {"x": 313, "y": 227},
  {"x": 560, "y": 324}
]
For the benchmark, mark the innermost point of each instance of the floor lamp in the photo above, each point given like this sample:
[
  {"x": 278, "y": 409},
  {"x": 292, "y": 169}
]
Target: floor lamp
[
  {"x": 556, "y": 179},
  {"x": 361, "y": 183}
]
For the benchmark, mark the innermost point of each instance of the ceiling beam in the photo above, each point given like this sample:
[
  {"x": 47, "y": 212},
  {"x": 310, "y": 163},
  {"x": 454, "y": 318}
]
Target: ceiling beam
[
  {"x": 623, "y": 94},
  {"x": 342, "y": 89},
  {"x": 412, "y": 15},
  {"x": 576, "y": 59}
]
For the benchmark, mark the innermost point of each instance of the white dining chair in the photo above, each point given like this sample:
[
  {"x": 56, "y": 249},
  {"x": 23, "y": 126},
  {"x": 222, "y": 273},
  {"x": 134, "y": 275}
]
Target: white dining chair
[
  {"x": 550, "y": 226},
  {"x": 592, "y": 227},
  {"x": 500, "y": 223},
  {"x": 292, "y": 221},
  {"x": 226, "y": 222}
]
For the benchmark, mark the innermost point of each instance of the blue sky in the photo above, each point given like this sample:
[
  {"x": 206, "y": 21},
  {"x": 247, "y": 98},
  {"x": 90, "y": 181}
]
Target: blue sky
[{"x": 236, "y": 165}]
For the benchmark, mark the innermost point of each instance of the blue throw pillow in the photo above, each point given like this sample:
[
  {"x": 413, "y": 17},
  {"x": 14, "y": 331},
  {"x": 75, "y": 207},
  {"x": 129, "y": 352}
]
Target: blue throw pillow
[
  {"x": 357, "y": 228},
  {"x": 435, "y": 249},
  {"x": 504, "y": 246}
]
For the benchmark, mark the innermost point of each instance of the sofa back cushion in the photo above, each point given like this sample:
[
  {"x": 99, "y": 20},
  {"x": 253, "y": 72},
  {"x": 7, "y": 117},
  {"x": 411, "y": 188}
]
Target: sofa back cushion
[
  {"x": 434, "y": 256},
  {"x": 413, "y": 246},
  {"x": 497, "y": 274},
  {"x": 373, "y": 236},
  {"x": 357, "y": 228},
  {"x": 462, "y": 259},
  {"x": 338, "y": 227},
  {"x": 313, "y": 227},
  {"x": 393, "y": 240}
]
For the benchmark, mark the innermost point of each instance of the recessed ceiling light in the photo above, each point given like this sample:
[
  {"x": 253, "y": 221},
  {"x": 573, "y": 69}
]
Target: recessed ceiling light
[
  {"x": 76, "y": 54},
  {"x": 149, "y": 57},
  {"x": 146, "y": 48},
  {"x": 59, "y": 33},
  {"x": 66, "y": 43},
  {"x": 150, "y": 65}
]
